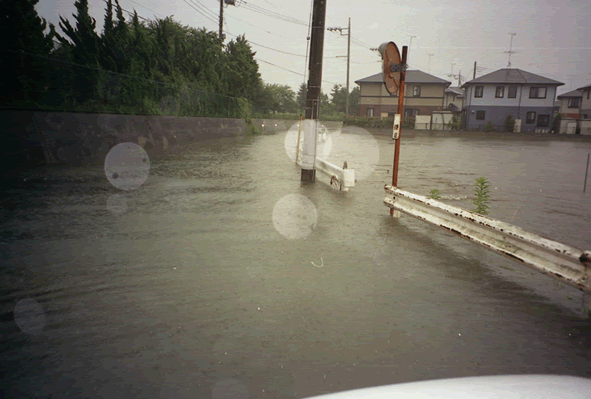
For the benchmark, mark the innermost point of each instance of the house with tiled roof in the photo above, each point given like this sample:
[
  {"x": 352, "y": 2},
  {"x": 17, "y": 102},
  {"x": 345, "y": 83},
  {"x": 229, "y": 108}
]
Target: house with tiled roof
[
  {"x": 423, "y": 94},
  {"x": 525, "y": 96},
  {"x": 570, "y": 104}
]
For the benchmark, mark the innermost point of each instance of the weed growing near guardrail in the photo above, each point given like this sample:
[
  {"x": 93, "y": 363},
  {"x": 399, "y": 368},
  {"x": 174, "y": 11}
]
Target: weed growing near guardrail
[
  {"x": 435, "y": 194},
  {"x": 482, "y": 190}
]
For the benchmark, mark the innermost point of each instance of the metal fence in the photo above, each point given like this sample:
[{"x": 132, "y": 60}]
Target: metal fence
[
  {"x": 52, "y": 84},
  {"x": 569, "y": 264}
]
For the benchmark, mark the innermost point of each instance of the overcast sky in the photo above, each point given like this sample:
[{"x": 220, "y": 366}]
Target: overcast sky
[{"x": 553, "y": 37}]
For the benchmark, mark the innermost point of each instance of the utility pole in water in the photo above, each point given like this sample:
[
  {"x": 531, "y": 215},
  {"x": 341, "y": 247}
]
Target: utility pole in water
[{"x": 314, "y": 91}]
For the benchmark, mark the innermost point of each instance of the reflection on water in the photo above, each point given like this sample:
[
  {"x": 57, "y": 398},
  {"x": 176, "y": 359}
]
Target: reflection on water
[{"x": 204, "y": 282}]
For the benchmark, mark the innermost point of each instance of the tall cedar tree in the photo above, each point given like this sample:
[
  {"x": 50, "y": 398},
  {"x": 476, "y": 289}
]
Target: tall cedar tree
[
  {"x": 25, "y": 77},
  {"x": 242, "y": 71},
  {"x": 83, "y": 46}
]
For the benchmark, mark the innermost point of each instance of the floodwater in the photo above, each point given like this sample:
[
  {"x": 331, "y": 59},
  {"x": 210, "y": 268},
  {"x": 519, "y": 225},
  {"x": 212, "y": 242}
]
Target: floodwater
[{"x": 211, "y": 271}]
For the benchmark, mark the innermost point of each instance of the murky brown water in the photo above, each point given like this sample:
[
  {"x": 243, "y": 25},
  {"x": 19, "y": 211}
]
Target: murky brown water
[{"x": 222, "y": 275}]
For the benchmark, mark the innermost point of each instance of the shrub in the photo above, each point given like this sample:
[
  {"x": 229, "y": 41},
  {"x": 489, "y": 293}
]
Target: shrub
[
  {"x": 489, "y": 127},
  {"x": 509, "y": 123}
]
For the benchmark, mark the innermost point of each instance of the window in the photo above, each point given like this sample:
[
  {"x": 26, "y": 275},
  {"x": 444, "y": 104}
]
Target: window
[
  {"x": 537, "y": 92},
  {"x": 416, "y": 91},
  {"x": 573, "y": 102},
  {"x": 512, "y": 92},
  {"x": 478, "y": 91},
  {"x": 480, "y": 115},
  {"x": 543, "y": 120},
  {"x": 530, "y": 117},
  {"x": 369, "y": 112},
  {"x": 391, "y": 114},
  {"x": 588, "y": 94},
  {"x": 500, "y": 92},
  {"x": 411, "y": 112}
]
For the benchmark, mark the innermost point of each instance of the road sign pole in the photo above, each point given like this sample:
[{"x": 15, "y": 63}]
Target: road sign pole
[{"x": 399, "y": 111}]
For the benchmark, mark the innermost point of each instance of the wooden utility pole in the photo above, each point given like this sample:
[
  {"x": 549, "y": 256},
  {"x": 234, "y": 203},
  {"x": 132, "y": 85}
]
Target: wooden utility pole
[
  {"x": 474, "y": 76},
  {"x": 222, "y": 20},
  {"x": 348, "y": 65},
  {"x": 314, "y": 85},
  {"x": 348, "y": 29}
]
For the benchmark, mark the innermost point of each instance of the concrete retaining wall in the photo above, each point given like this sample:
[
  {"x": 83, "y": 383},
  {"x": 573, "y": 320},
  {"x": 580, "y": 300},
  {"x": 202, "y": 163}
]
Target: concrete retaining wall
[
  {"x": 269, "y": 126},
  {"x": 55, "y": 137},
  {"x": 30, "y": 137}
]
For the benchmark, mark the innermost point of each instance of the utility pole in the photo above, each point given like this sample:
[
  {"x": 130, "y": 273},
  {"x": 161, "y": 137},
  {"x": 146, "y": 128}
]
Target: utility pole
[
  {"x": 429, "y": 68},
  {"x": 230, "y": 2},
  {"x": 222, "y": 20},
  {"x": 474, "y": 76},
  {"x": 348, "y": 58},
  {"x": 313, "y": 96},
  {"x": 348, "y": 65}
]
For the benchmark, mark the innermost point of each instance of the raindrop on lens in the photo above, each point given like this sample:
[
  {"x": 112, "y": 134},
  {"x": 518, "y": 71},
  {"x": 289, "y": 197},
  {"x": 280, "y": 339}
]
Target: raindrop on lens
[
  {"x": 294, "y": 216},
  {"x": 127, "y": 166},
  {"x": 29, "y": 316}
]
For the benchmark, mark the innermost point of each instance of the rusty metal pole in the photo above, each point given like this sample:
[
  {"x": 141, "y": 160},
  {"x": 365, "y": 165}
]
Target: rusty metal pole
[{"x": 400, "y": 109}]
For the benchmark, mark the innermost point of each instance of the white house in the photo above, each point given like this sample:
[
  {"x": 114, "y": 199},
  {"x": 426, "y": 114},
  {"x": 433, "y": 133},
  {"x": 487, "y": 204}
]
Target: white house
[{"x": 510, "y": 92}]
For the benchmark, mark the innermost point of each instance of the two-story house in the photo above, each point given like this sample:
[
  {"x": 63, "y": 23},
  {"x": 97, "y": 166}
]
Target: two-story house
[
  {"x": 585, "y": 110},
  {"x": 454, "y": 99},
  {"x": 423, "y": 94},
  {"x": 584, "y": 125},
  {"x": 522, "y": 95},
  {"x": 570, "y": 104}
]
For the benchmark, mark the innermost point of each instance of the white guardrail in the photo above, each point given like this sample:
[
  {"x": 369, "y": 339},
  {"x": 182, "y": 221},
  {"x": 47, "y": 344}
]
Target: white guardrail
[
  {"x": 568, "y": 264},
  {"x": 342, "y": 178}
]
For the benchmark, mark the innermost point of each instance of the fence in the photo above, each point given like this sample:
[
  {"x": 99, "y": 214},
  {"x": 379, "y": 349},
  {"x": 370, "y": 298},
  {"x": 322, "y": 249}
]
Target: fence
[
  {"x": 51, "y": 84},
  {"x": 568, "y": 264}
]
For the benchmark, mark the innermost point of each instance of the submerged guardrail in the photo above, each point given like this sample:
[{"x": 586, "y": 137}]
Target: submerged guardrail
[
  {"x": 341, "y": 177},
  {"x": 563, "y": 262}
]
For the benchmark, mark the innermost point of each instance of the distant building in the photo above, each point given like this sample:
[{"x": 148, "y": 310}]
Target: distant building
[
  {"x": 584, "y": 122},
  {"x": 454, "y": 99},
  {"x": 570, "y": 104},
  {"x": 423, "y": 95},
  {"x": 585, "y": 109},
  {"x": 515, "y": 92}
]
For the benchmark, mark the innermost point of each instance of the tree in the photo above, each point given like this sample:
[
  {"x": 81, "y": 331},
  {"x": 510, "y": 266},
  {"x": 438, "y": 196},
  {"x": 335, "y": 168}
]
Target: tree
[
  {"x": 242, "y": 71},
  {"x": 276, "y": 98},
  {"x": 83, "y": 48},
  {"x": 354, "y": 101},
  {"x": 339, "y": 98},
  {"x": 24, "y": 76},
  {"x": 301, "y": 97}
]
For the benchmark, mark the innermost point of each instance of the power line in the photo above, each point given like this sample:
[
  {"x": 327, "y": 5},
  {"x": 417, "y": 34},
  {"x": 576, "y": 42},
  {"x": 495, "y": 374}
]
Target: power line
[
  {"x": 270, "y": 48},
  {"x": 130, "y": 13},
  {"x": 272, "y": 14},
  {"x": 289, "y": 70},
  {"x": 202, "y": 7},
  {"x": 147, "y": 8},
  {"x": 258, "y": 27},
  {"x": 200, "y": 12}
]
